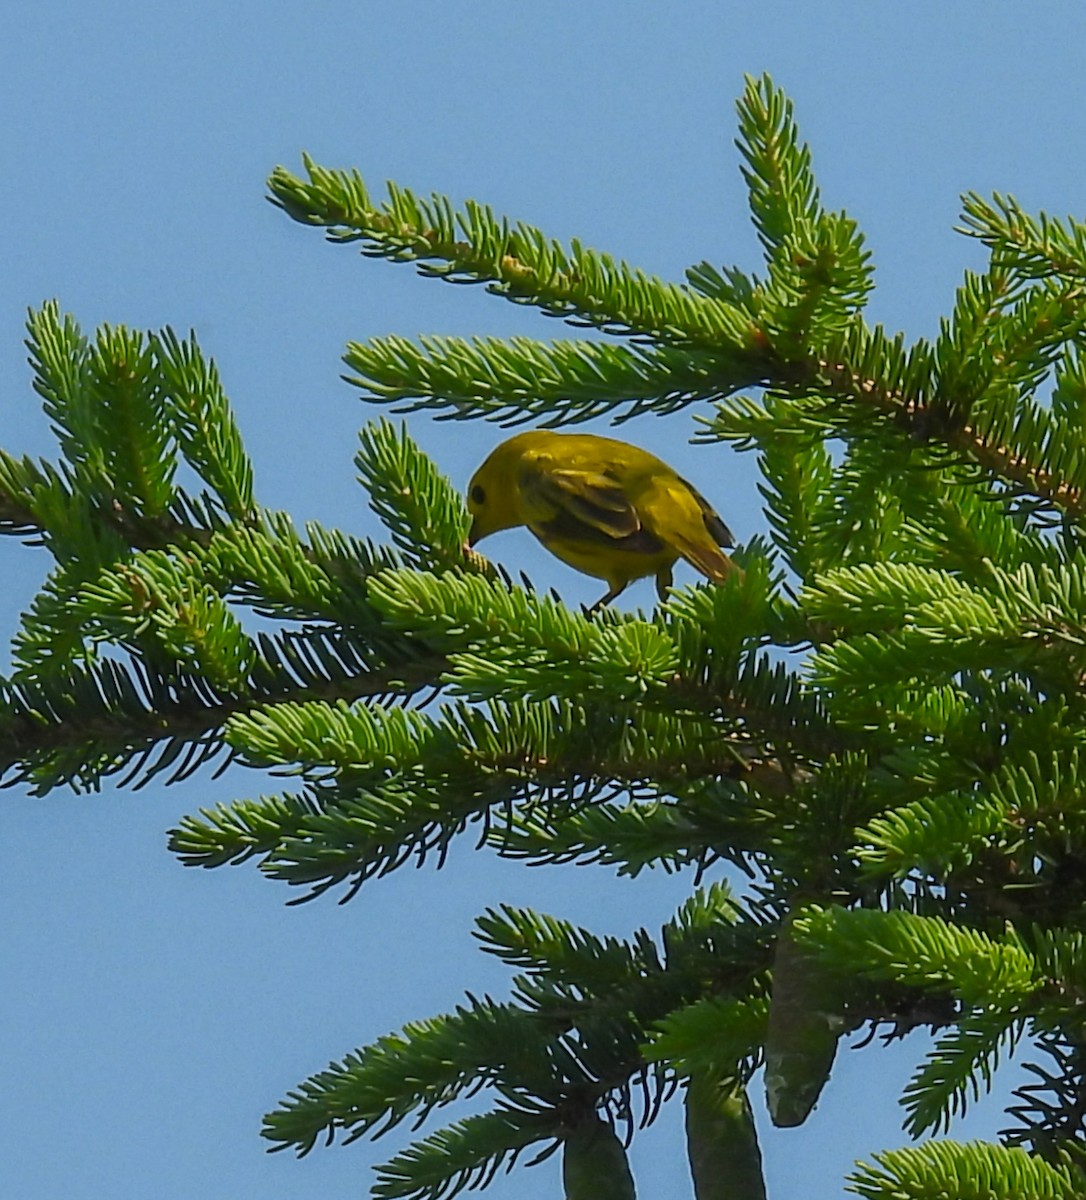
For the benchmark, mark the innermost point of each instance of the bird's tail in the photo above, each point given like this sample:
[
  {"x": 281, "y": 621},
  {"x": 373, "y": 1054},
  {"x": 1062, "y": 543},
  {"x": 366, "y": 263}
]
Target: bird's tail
[{"x": 714, "y": 564}]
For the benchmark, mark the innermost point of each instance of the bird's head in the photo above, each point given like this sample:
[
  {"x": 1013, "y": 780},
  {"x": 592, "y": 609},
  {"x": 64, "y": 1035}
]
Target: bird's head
[{"x": 493, "y": 494}]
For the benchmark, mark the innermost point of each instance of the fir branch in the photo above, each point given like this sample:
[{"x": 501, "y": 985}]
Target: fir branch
[
  {"x": 616, "y": 663},
  {"x": 409, "y": 786},
  {"x": 517, "y": 262},
  {"x": 158, "y": 601},
  {"x": 1069, "y": 388},
  {"x": 145, "y": 601},
  {"x": 1061, "y": 957},
  {"x": 278, "y": 574},
  {"x": 121, "y": 409},
  {"x": 328, "y": 738},
  {"x": 999, "y": 346},
  {"x": 59, "y": 356},
  {"x": 84, "y": 723},
  {"x": 778, "y": 174},
  {"x": 1031, "y": 621},
  {"x": 516, "y": 643},
  {"x": 553, "y": 1072},
  {"x": 233, "y": 833},
  {"x": 718, "y": 819},
  {"x": 202, "y": 422},
  {"x": 1034, "y": 248},
  {"x": 509, "y": 643},
  {"x": 1051, "y": 1114},
  {"x": 559, "y": 949},
  {"x": 953, "y": 522},
  {"x": 818, "y": 268},
  {"x": 423, "y": 512},
  {"x": 720, "y": 1034},
  {"x": 518, "y": 379},
  {"x": 576, "y": 978},
  {"x": 959, "y": 1068},
  {"x": 1025, "y": 815},
  {"x": 107, "y": 408},
  {"x": 466, "y": 1154},
  {"x": 137, "y": 441},
  {"x": 332, "y": 835},
  {"x": 488, "y": 765},
  {"x": 797, "y": 475},
  {"x": 925, "y": 952},
  {"x": 868, "y": 598},
  {"x": 967, "y": 1171},
  {"x": 21, "y": 481},
  {"x": 939, "y": 835},
  {"x": 430, "y": 1064},
  {"x": 808, "y": 830},
  {"x": 872, "y": 373}
]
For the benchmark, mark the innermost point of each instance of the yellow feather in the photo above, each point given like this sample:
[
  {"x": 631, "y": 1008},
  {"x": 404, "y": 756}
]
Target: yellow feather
[{"x": 609, "y": 509}]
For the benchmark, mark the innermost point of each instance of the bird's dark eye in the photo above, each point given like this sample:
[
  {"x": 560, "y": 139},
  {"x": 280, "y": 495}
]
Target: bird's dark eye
[{"x": 478, "y": 496}]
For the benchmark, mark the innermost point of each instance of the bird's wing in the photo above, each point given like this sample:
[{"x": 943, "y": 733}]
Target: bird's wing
[
  {"x": 589, "y": 497},
  {"x": 678, "y": 516}
]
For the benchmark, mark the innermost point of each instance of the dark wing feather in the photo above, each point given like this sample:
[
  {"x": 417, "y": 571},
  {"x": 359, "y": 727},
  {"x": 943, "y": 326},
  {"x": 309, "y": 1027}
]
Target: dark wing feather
[
  {"x": 718, "y": 531},
  {"x": 590, "y": 498},
  {"x": 567, "y": 527}
]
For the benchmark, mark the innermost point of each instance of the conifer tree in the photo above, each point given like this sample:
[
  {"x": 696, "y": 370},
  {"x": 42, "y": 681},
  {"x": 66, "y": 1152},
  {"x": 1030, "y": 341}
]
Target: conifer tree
[{"x": 879, "y": 725}]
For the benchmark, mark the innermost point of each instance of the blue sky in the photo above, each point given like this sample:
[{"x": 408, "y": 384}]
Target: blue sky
[{"x": 150, "y": 1013}]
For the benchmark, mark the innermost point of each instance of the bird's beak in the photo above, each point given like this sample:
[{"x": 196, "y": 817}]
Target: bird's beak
[{"x": 473, "y": 534}]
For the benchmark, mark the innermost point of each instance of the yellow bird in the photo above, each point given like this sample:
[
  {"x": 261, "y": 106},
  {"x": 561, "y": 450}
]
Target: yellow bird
[{"x": 609, "y": 509}]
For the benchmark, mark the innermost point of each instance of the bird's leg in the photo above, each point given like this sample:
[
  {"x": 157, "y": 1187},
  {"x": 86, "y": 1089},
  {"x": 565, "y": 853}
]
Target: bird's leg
[
  {"x": 605, "y": 599},
  {"x": 664, "y": 579}
]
